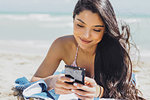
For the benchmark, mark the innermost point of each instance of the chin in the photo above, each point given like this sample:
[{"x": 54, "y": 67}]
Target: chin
[{"x": 84, "y": 46}]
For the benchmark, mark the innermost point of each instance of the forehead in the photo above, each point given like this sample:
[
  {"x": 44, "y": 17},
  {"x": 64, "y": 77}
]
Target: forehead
[{"x": 89, "y": 18}]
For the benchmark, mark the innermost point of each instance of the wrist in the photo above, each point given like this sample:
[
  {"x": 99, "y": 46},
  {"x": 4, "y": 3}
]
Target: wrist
[{"x": 50, "y": 81}]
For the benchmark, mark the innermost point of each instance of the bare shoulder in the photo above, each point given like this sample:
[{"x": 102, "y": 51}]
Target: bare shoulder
[
  {"x": 61, "y": 49},
  {"x": 66, "y": 41},
  {"x": 64, "y": 45}
]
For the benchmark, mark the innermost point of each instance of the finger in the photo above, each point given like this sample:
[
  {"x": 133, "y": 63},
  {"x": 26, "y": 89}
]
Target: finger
[
  {"x": 90, "y": 81},
  {"x": 64, "y": 85},
  {"x": 62, "y": 91},
  {"x": 83, "y": 93},
  {"x": 84, "y": 87},
  {"x": 61, "y": 82},
  {"x": 83, "y": 97},
  {"x": 66, "y": 79}
]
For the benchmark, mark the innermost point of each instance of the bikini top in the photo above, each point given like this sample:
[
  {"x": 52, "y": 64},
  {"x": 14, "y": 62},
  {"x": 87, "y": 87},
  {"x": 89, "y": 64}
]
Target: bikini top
[
  {"x": 75, "y": 60},
  {"x": 75, "y": 65}
]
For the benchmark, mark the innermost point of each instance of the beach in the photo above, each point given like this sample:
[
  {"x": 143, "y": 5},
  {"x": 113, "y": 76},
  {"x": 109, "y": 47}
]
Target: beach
[
  {"x": 18, "y": 61},
  {"x": 14, "y": 64},
  {"x": 26, "y": 38}
]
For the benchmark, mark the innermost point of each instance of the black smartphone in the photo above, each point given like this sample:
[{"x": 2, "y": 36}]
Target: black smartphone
[{"x": 75, "y": 73}]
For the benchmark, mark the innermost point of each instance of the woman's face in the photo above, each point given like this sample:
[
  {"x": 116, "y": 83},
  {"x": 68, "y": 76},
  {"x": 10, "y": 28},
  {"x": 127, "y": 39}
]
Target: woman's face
[{"x": 88, "y": 29}]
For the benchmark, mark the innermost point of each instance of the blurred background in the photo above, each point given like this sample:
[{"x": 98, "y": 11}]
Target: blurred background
[
  {"x": 28, "y": 27},
  {"x": 48, "y": 19}
]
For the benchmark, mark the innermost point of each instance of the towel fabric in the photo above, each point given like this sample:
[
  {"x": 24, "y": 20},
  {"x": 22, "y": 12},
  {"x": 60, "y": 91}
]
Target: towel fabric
[{"x": 36, "y": 89}]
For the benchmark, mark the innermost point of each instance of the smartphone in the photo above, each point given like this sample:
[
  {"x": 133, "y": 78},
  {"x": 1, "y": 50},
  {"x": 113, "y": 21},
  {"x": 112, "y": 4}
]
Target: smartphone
[{"x": 75, "y": 73}]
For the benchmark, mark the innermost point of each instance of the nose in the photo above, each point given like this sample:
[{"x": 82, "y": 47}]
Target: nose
[{"x": 87, "y": 33}]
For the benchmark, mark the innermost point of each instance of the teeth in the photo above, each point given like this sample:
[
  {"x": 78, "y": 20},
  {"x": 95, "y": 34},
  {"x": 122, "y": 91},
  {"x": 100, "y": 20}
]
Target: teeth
[{"x": 85, "y": 40}]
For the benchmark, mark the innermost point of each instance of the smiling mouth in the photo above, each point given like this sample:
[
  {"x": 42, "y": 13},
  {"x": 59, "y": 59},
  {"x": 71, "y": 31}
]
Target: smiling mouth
[{"x": 85, "y": 41}]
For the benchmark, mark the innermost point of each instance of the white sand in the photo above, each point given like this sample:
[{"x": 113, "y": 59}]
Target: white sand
[{"x": 18, "y": 61}]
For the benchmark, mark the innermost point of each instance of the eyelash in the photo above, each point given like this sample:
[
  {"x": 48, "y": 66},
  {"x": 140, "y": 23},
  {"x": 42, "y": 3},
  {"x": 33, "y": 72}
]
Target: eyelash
[
  {"x": 93, "y": 29},
  {"x": 80, "y": 25},
  {"x": 96, "y": 30}
]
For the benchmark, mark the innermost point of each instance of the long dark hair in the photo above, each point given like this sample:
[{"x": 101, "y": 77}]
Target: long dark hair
[{"x": 112, "y": 66}]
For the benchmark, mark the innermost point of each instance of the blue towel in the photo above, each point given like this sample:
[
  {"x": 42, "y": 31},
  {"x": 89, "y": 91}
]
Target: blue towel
[{"x": 22, "y": 84}]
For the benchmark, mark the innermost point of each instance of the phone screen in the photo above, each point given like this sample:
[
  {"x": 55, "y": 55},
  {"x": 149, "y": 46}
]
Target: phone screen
[{"x": 76, "y": 73}]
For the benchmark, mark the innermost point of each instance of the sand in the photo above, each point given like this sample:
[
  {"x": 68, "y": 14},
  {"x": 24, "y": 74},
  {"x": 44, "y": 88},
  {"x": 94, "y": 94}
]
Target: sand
[{"x": 19, "y": 62}]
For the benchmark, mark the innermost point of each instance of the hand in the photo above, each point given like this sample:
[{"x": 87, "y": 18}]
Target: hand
[
  {"x": 61, "y": 87},
  {"x": 90, "y": 89}
]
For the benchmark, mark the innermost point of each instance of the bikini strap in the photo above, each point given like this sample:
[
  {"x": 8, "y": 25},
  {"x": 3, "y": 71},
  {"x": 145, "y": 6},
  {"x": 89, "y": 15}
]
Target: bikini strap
[
  {"x": 76, "y": 53},
  {"x": 75, "y": 60}
]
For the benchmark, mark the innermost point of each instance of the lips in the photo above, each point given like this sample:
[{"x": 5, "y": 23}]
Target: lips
[{"x": 85, "y": 41}]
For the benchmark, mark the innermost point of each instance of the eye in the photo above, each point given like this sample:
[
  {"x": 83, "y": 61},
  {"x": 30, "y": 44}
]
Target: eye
[
  {"x": 96, "y": 30},
  {"x": 80, "y": 25}
]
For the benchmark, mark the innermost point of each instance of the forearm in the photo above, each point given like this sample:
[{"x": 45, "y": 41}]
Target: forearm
[{"x": 50, "y": 80}]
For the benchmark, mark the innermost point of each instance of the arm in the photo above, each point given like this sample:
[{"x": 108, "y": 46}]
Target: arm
[
  {"x": 50, "y": 63},
  {"x": 56, "y": 53}
]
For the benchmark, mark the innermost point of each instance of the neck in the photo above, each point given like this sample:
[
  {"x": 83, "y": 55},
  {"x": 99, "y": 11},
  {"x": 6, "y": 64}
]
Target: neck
[{"x": 90, "y": 51}]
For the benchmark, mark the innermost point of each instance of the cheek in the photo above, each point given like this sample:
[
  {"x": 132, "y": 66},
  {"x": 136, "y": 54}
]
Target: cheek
[
  {"x": 78, "y": 31},
  {"x": 97, "y": 37}
]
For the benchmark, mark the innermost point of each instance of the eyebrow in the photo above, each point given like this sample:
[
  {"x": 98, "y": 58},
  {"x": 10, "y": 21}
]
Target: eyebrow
[
  {"x": 85, "y": 23},
  {"x": 99, "y": 26},
  {"x": 81, "y": 21}
]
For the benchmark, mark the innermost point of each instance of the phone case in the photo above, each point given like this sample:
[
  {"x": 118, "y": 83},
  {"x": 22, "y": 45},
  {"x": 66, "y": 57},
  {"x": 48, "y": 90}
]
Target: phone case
[{"x": 75, "y": 73}]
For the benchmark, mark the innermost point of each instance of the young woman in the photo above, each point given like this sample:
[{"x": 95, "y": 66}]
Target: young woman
[{"x": 96, "y": 45}]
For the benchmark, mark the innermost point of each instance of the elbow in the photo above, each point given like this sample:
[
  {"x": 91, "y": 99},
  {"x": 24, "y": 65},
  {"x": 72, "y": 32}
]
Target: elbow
[{"x": 34, "y": 78}]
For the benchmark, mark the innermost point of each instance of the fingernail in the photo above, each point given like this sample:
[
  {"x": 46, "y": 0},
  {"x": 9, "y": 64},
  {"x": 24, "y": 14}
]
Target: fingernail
[
  {"x": 72, "y": 90},
  {"x": 71, "y": 79},
  {"x": 88, "y": 83},
  {"x": 75, "y": 84}
]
